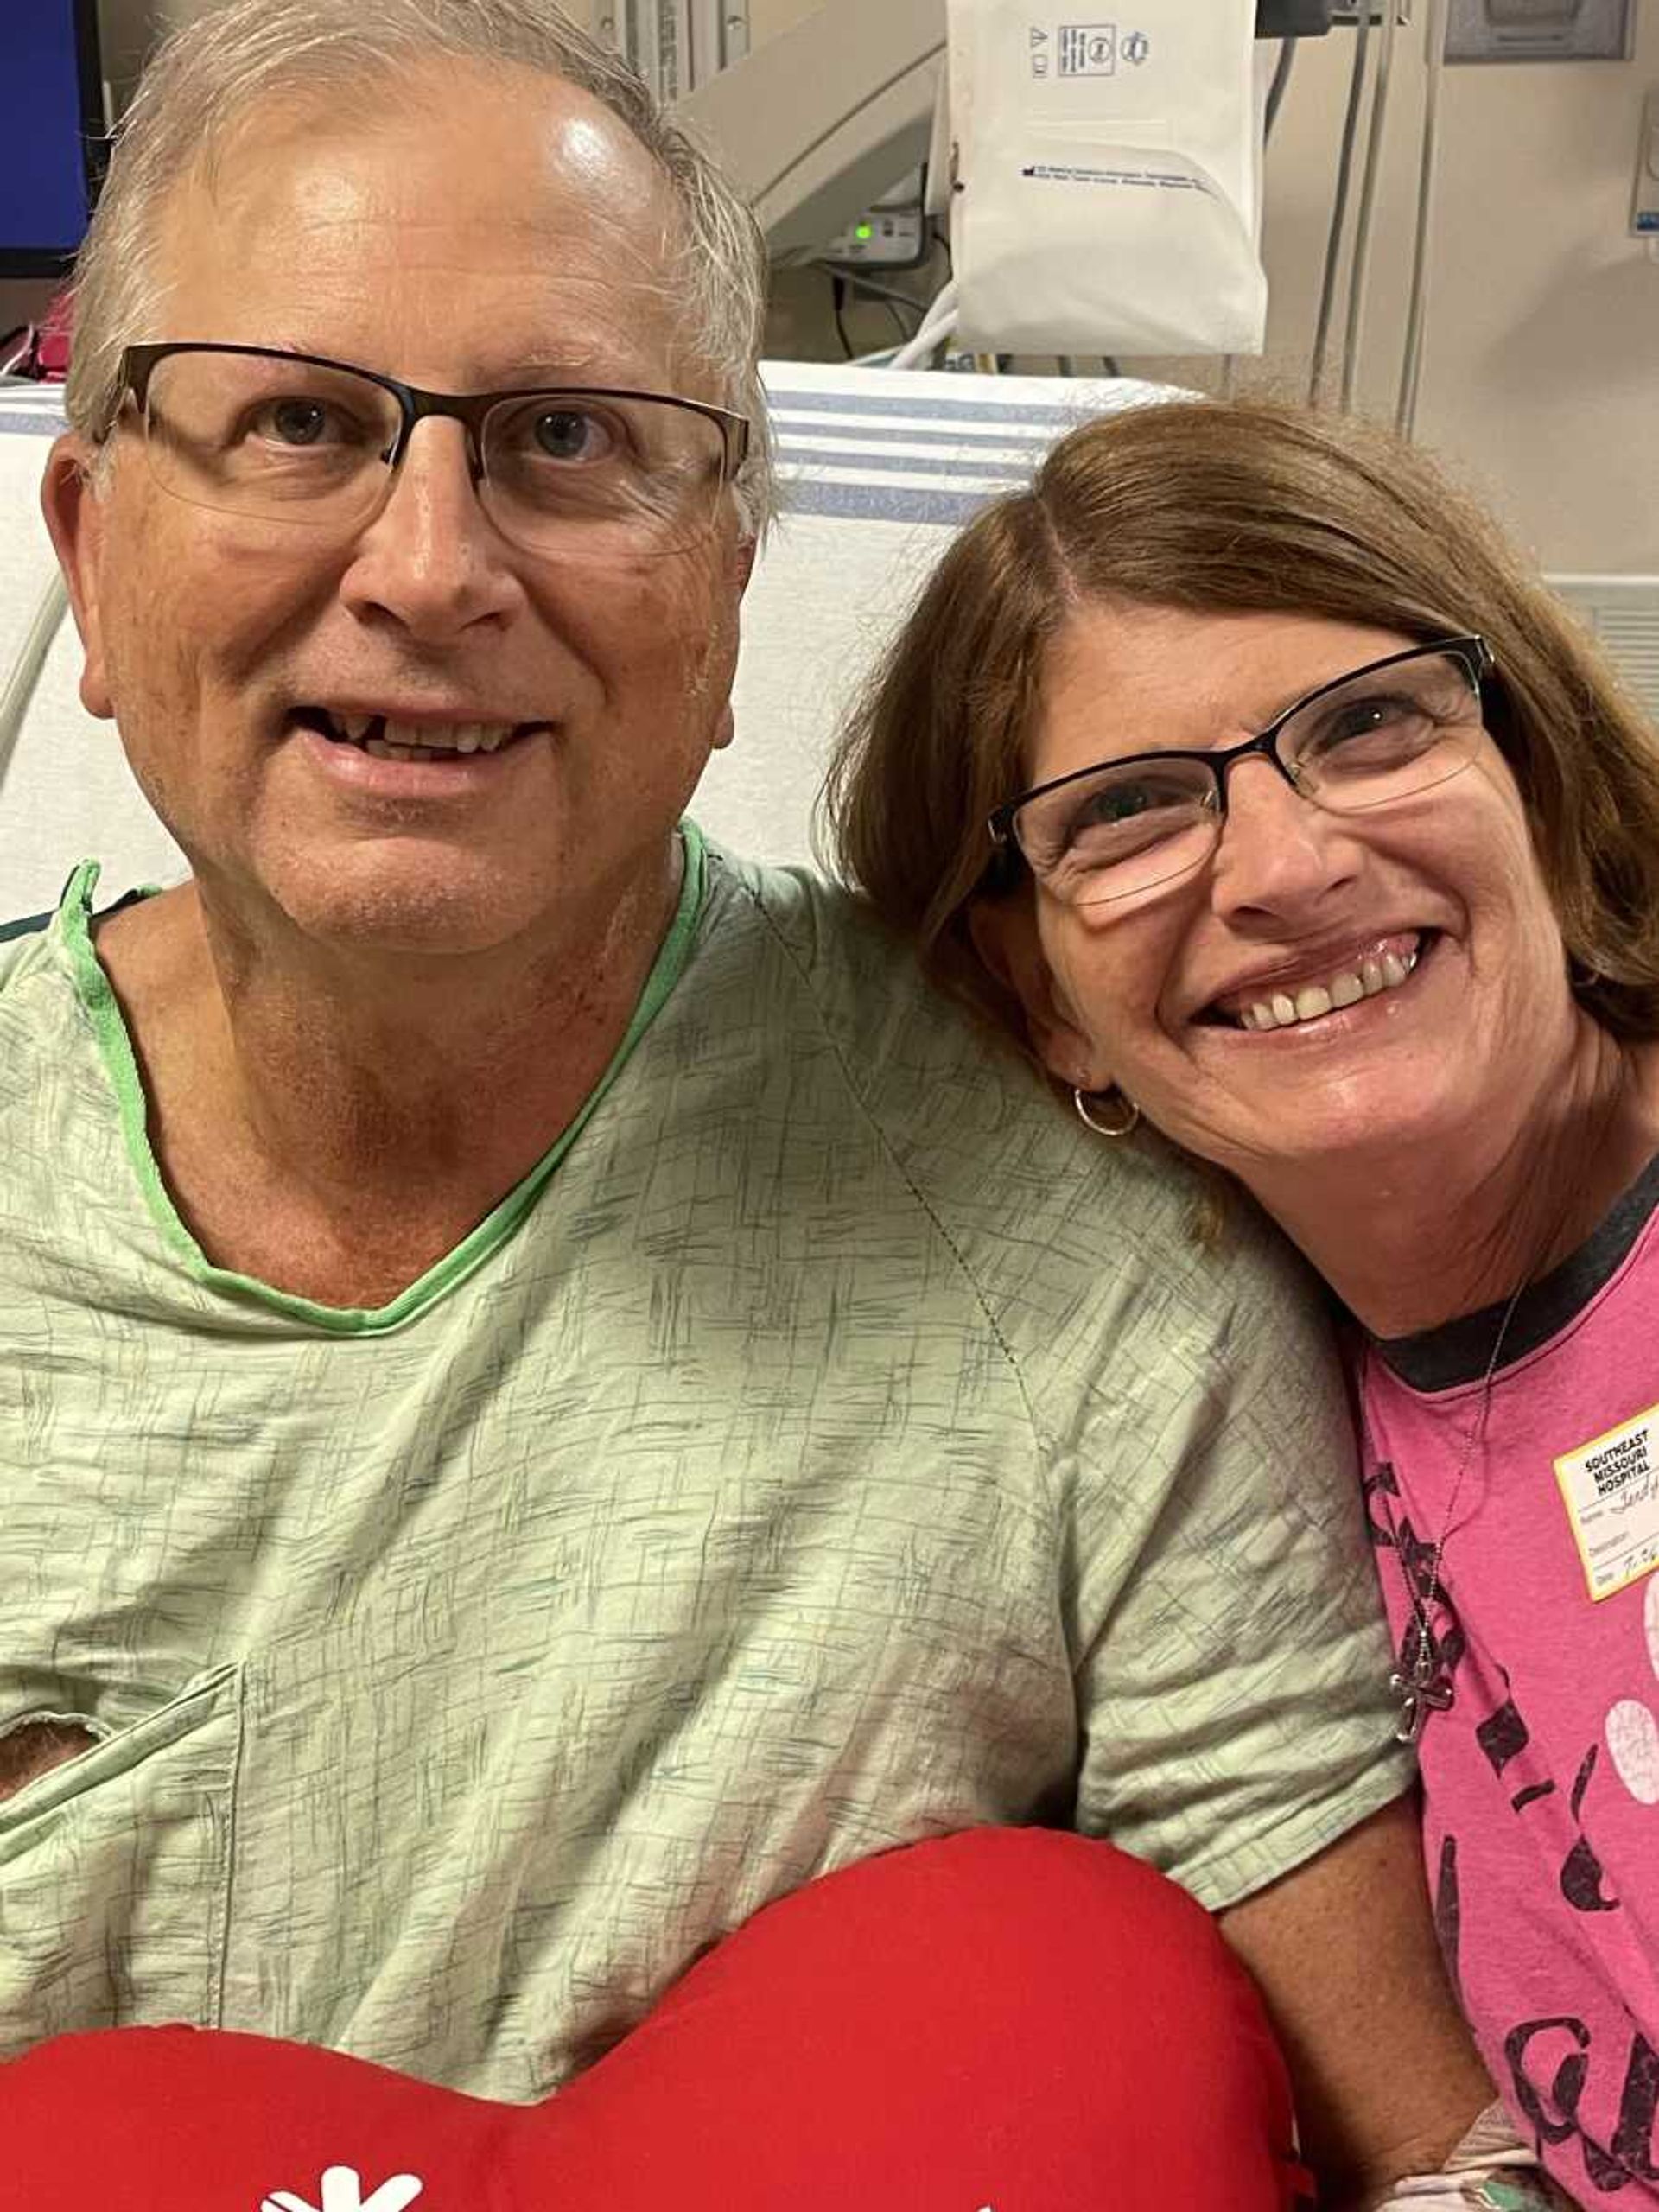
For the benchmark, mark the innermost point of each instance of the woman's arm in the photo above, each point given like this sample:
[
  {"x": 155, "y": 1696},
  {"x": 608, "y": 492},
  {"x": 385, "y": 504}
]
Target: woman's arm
[{"x": 1386, "y": 2077}]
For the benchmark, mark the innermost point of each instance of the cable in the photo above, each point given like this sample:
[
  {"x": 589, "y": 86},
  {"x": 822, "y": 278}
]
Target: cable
[
  {"x": 927, "y": 342},
  {"x": 1411, "y": 364},
  {"x": 1359, "y": 268},
  {"x": 19, "y": 687},
  {"x": 890, "y": 293},
  {"x": 838, "y": 309},
  {"x": 1278, "y": 88},
  {"x": 1339, "y": 206},
  {"x": 938, "y": 324},
  {"x": 890, "y": 296}
]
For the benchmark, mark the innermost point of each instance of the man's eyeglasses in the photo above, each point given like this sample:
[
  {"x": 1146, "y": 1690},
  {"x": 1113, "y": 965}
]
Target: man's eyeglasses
[
  {"x": 1387, "y": 731},
  {"x": 296, "y": 438}
]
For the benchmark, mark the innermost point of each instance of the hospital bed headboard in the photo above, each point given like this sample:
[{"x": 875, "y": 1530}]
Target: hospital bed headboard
[{"x": 879, "y": 467}]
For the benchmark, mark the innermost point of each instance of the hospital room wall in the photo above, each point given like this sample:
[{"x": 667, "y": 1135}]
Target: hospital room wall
[
  {"x": 1542, "y": 359},
  {"x": 1544, "y": 338}
]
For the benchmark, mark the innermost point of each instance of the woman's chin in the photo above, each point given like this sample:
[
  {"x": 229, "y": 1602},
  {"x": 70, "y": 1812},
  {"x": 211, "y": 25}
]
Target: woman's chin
[{"x": 1355, "y": 1134}]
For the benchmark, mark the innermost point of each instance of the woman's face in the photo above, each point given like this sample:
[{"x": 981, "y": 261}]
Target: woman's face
[{"x": 1439, "y": 891}]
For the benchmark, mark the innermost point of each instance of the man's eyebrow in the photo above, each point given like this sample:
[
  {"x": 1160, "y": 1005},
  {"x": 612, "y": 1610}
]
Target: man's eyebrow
[
  {"x": 572, "y": 368},
  {"x": 577, "y": 365}
]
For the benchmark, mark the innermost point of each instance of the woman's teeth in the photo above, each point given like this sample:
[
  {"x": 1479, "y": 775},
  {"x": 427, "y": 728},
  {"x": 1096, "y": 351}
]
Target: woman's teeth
[{"x": 1284, "y": 1009}]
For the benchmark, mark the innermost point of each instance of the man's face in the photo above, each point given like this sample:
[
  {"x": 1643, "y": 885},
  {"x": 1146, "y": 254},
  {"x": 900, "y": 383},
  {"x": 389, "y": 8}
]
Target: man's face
[{"x": 467, "y": 229}]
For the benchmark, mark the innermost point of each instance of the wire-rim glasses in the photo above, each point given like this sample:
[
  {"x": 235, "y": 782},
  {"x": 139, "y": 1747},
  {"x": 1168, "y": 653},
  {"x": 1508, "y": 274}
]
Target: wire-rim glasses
[
  {"x": 301, "y": 439},
  {"x": 1389, "y": 730}
]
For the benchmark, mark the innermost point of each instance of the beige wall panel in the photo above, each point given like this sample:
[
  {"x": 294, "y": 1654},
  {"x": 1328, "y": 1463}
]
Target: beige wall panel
[{"x": 1542, "y": 362}]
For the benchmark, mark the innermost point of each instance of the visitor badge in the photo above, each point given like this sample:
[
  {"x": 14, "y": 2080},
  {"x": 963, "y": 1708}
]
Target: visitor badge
[{"x": 1611, "y": 1489}]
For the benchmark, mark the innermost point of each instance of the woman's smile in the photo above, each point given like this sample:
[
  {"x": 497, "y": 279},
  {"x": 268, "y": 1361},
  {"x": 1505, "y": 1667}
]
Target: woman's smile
[{"x": 1293, "y": 996}]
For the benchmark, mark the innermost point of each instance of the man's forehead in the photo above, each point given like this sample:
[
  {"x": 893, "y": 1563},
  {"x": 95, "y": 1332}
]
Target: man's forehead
[{"x": 502, "y": 196}]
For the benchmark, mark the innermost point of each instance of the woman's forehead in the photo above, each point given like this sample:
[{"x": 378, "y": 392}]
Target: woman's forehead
[{"x": 1140, "y": 676}]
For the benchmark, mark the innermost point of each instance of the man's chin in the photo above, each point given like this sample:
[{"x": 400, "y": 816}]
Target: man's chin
[{"x": 378, "y": 901}]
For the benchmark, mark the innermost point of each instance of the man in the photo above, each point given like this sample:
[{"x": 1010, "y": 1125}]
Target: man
[{"x": 550, "y": 1395}]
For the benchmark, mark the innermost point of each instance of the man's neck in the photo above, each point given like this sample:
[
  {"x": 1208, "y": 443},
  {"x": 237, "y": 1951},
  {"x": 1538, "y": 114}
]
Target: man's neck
[
  {"x": 1409, "y": 1236},
  {"x": 333, "y": 1124}
]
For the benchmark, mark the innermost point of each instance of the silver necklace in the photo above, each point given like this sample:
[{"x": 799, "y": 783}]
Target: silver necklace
[{"x": 1421, "y": 1683}]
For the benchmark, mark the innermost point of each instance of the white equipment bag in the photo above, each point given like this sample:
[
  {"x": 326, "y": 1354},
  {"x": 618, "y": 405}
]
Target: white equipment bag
[{"x": 1108, "y": 176}]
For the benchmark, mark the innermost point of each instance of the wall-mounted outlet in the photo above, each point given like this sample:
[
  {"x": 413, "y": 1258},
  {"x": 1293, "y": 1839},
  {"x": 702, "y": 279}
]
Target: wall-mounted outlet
[
  {"x": 1644, "y": 206},
  {"x": 1540, "y": 31}
]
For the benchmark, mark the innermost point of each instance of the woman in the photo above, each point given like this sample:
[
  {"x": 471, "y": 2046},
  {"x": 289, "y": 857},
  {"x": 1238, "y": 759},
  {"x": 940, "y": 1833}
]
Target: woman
[{"x": 1241, "y": 773}]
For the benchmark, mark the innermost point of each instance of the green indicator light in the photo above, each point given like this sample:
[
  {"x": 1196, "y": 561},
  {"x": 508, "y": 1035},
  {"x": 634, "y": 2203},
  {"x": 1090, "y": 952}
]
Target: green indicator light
[{"x": 863, "y": 231}]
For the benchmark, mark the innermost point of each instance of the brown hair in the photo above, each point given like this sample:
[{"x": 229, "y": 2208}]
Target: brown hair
[{"x": 1244, "y": 507}]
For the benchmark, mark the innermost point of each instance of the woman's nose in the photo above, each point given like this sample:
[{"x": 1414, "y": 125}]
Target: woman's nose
[{"x": 1279, "y": 855}]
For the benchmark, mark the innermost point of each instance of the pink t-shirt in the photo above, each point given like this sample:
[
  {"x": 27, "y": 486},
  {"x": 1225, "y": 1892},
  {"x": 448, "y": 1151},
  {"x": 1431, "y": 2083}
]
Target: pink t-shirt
[{"x": 1542, "y": 1776}]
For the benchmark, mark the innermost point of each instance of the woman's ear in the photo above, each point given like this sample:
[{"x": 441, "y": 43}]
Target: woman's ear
[{"x": 1005, "y": 936}]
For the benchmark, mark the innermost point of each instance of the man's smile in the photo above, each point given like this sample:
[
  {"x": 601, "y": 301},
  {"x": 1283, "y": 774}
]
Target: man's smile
[{"x": 390, "y": 736}]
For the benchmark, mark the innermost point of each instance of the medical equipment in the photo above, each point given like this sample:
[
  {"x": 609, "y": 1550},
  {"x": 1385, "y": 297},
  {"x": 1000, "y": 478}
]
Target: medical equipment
[
  {"x": 819, "y": 122},
  {"x": 51, "y": 133},
  {"x": 1108, "y": 178},
  {"x": 891, "y": 233},
  {"x": 816, "y": 123}
]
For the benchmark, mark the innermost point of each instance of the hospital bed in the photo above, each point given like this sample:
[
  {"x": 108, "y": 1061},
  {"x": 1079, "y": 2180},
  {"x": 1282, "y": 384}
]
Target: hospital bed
[{"x": 878, "y": 468}]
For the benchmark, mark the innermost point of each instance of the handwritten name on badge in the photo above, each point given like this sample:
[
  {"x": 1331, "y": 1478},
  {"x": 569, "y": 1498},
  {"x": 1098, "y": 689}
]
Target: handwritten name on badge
[{"x": 1611, "y": 1490}]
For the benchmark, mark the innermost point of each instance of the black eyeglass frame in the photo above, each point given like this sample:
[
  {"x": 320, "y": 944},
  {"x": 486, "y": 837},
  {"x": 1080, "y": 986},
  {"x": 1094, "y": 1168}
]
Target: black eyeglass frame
[
  {"x": 1479, "y": 663},
  {"x": 415, "y": 405}
]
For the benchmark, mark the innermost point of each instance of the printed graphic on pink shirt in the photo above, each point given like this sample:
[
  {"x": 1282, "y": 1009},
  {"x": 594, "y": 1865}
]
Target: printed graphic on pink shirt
[{"x": 1542, "y": 1773}]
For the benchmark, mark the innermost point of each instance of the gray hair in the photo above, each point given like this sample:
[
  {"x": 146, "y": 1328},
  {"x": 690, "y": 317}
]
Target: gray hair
[{"x": 203, "y": 79}]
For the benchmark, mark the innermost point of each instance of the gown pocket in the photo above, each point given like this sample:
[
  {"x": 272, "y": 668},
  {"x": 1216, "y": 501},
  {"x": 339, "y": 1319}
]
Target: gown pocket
[{"x": 115, "y": 1875}]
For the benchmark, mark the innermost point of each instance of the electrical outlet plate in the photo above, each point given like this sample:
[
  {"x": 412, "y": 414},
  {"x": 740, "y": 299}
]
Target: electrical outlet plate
[
  {"x": 1644, "y": 206},
  {"x": 1540, "y": 31}
]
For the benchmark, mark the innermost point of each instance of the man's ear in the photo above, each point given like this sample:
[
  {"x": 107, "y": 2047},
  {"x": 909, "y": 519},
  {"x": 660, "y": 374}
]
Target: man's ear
[
  {"x": 1005, "y": 936},
  {"x": 74, "y": 516}
]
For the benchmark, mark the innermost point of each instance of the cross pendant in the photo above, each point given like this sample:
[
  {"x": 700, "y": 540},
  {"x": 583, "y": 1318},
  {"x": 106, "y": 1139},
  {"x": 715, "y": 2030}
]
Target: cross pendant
[{"x": 1419, "y": 1699}]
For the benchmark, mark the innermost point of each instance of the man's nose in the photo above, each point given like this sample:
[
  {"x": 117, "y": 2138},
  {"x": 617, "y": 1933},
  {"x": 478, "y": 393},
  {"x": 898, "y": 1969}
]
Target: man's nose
[
  {"x": 431, "y": 558},
  {"x": 1280, "y": 855}
]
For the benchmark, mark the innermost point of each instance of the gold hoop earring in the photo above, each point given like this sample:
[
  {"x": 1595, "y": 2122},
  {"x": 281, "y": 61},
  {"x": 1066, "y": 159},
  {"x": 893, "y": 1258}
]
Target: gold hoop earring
[{"x": 1126, "y": 1114}]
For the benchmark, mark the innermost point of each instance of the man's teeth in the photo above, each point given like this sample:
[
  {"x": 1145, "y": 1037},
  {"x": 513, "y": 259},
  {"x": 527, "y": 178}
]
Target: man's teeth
[
  {"x": 401, "y": 740},
  {"x": 1384, "y": 972}
]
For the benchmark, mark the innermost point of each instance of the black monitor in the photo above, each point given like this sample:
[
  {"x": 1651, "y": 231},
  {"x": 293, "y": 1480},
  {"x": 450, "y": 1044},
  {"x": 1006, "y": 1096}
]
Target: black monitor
[{"x": 52, "y": 145}]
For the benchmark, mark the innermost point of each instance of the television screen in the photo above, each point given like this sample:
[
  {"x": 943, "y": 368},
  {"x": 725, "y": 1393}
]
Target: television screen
[{"x": 51, "y": 132}]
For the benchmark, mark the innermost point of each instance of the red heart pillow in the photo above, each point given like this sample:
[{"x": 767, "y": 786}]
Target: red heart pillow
[{"x": 1009, "y": 2020}]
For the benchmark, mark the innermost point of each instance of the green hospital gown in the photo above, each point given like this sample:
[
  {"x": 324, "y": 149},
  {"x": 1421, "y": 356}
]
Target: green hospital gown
[{"x": 830, "y": 1444}]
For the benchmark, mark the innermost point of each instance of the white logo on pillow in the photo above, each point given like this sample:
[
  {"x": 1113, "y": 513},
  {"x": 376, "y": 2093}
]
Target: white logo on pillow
[{"x": 342, "y": 2191}]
